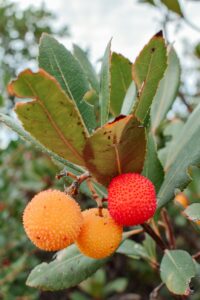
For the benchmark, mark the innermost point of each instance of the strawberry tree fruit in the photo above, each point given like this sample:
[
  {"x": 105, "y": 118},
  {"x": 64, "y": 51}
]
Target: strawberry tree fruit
[
  {"x": 52, "y": 220},
  {"x": 100, "y": 235},
  {"x": 131, "y": 199}
]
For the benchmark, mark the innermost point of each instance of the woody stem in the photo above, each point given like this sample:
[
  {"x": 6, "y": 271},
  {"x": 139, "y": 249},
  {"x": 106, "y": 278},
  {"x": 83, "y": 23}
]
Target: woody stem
[{"x": 154, "y": 236}]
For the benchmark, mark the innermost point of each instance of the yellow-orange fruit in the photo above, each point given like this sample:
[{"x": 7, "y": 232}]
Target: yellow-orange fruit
[
  {"x": 52, "y": 220},
  {"x": 100, "y": 235},
  {"x": 182, "y": 200}
]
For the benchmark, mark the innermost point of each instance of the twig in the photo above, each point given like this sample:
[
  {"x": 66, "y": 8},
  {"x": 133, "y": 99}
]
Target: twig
[
  {"x": 79, "y": 178},
  {"x": 161, "y": 224},
  {"x": 73, "y": 188},
  {"x": 155, "y": 292},
  {"x": 96, "y": 197},
  {"x": 155, "y": 227},
  {"x": 169, "y": 229},
  {"x": 154, "y": 236},
  {"x": 196, "y": 256},
  {"x": 64, "y": 174},
  {"x": 182, "y": 97},
  {"x": 127, "y": 234}
]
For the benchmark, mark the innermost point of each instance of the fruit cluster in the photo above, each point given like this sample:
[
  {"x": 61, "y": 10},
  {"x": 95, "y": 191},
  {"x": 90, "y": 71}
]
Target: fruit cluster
[{"x": 53, "y": 220}]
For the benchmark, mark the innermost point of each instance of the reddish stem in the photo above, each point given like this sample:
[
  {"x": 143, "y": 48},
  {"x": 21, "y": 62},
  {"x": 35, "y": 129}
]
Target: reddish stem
[{"x": 154, "y": 236}]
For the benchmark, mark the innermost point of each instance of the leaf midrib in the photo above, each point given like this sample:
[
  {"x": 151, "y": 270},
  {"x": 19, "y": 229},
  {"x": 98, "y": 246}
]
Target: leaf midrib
[
  {"x": 122, "y": 78},
  {"x": 53, "y": 124},
  {"x": 62, "y": 75},
  {"x": 143, "y": 85}
]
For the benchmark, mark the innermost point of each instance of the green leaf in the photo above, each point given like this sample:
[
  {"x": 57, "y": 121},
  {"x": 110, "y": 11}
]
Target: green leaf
[
  {"x": 61, "y": 64},
  {"x": 150, "y": 247},
  {"x": 120, "y": 81},
  {"x": 133, "y": 250},
  {"x": 1, "y": 100},
  {"x": 147, "y": 1},
  {"x": 193, "y": 212},
  {"x": 183, "y": 154},
  {"x": 13, "y": 124},
  {"x": 68, "y": 269},
  {"x": 105, "y": 80},
  {"x": 117, "y": 147},
  {"x": 147, "y": 72},
  {"x": 129, "y": 99},
  {"x": 87, "y": 67},
  {"x": 116, "y": 286},
  {"x": 167, "y": 90},
  {"x": 94, "y": 285},
  {"x": 176, "y": 270},
  {"x": 171, "y": 133},
  {"x": 152, "y": 166},
  {"x": 174, "y": 6},
  {"x": 78, "y": 296},
  {"x": 49, "y": 117}
]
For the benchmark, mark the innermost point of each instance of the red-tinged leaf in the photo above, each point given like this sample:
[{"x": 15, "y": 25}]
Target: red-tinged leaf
[
  {"x": 117, "y": 147},
  {"x": 51, "y": 117}
]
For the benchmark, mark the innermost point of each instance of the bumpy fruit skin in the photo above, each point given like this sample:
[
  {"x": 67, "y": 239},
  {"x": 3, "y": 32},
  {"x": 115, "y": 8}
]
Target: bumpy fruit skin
[
  {"x": 52, "y": 220},
  {"x": 131, "y": 199},
  {"x": 100, "y": 235}
]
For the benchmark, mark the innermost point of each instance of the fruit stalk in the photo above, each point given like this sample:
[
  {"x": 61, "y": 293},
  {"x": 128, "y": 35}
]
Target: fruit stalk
[{"x": 95, "y": 196}]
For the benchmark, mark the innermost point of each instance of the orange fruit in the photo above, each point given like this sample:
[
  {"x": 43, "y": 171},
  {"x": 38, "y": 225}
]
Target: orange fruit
[
  {"x": 52, "y": 220},
  {"x": 100, "y": 235}
]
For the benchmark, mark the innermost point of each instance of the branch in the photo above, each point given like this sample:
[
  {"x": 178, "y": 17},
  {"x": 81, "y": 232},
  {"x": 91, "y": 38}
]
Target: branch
[
  {"x": 154, "y": 236},
  {"x": 196, "y": 256},
  {"x": 127, "y": 234},
  {"x": 73, "y": 188},
  {"x": 154, "y": 293},
  {"x": 169, "y": 229},
  {"x": 182, "y": 97}
]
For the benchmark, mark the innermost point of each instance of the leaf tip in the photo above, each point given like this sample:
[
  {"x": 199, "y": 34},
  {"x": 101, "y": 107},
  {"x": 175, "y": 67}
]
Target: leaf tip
[
  {"x": 159, "y": 34},
  {"x": 44, "y": 35}
]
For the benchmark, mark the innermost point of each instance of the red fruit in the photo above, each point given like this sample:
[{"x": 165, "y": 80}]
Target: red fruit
[{"x": 131, "y": 199}]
